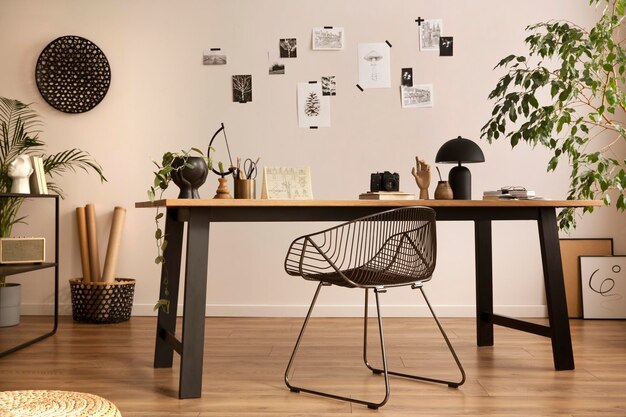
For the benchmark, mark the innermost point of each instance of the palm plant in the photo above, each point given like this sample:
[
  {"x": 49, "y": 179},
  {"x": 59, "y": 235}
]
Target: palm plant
[{"x": 19, "y": 134}]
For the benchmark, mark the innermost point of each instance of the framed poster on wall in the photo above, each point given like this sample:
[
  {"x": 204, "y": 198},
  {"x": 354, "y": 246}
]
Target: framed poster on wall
[{"x": 603, "y": 281}]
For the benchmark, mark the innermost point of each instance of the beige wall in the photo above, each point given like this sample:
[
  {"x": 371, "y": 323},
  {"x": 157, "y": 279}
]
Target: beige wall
[{"x": 162, "y": 98}]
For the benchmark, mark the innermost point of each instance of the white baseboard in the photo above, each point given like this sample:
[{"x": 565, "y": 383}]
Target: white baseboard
[{"x": 320, "y": 311}]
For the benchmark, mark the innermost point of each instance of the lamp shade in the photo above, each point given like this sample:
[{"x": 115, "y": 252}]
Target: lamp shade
[{"x": 459, "y": 150}]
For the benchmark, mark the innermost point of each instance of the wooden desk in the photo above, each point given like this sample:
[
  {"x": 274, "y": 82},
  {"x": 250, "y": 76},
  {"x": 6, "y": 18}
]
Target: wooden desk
[{"x": 201, "y": 212}]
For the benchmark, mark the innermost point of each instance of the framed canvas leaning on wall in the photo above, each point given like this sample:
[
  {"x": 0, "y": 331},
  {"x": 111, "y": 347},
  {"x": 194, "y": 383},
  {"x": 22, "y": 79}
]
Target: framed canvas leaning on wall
[{"x": 603, "y": 281}]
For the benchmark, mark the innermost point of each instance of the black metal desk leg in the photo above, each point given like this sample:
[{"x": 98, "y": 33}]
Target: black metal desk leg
[
  {"x": 484, "y": 282},
  {"x": 555, "y": 290},
  {"x": 166, "y": 322},
  {"x": 196, "y": 268}
]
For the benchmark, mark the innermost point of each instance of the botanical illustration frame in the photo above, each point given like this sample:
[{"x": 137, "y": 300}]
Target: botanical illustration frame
[{"x": 603, "y": 281}]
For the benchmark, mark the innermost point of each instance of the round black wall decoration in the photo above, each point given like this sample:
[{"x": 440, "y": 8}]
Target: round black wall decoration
[{"x": 73, "y": 75}]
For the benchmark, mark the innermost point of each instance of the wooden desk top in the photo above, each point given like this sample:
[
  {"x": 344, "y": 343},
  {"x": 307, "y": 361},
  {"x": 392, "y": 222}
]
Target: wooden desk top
[{"x": 203, "y": 202}]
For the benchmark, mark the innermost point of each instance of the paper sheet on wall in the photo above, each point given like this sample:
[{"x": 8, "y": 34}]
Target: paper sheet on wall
[
  {"x": 313, "y": 106},
  {"x": 287, "y": 183},
  {"x": 374, "y": 65}
]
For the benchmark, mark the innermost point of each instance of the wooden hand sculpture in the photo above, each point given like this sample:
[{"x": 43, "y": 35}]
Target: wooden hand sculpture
[{"x": 421, "y": 172}]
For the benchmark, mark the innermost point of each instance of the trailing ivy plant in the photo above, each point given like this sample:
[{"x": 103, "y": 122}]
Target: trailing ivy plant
[
  {"x": 567, "y": 95},
  {"x": 161, "y": 181}
]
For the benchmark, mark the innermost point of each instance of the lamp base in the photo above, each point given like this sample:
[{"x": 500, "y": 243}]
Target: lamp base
[{"x": 461, "y": 182}]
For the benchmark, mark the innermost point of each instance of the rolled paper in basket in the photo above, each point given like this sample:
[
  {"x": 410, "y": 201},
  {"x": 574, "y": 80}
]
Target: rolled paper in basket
[
  {"x": 92, "y": 238},
  {"x": 82, "y": 242},
  {"x": 113, "y": 249}
]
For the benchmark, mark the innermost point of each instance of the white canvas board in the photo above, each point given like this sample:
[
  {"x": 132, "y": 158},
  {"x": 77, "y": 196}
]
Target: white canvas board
[
  {"x": 603, "y": 284},
  {"x": 313, "y": 106},
  {"x": 327, "y": 39},
  {"x": 419, "y": 95},
  {"x": 430, "y": 32},
  {"x": 374, "y": 65}
]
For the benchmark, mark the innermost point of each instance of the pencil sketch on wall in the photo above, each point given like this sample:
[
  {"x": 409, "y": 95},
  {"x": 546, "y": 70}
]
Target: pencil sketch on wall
[
  {"x": 276, "y": 64},
  {"x": 328, "y": 38},
  {"x": 430, "y": 32},
  {"x": 446, "y": 44},
  {"x": 242, "y": 88},
  {"x": 288, "y": 48},
  {"x": 329, "y": 86},
  {"x": 213, "y": 57},
  {"x": 417, "y": 96},
  {"x": 313, "y": 106},
  {"x": 374, "y": 65}
]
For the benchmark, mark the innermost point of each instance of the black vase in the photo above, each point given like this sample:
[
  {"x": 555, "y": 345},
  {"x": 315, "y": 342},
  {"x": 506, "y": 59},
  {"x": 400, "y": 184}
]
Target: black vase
[{"x": 189, "y": 178}]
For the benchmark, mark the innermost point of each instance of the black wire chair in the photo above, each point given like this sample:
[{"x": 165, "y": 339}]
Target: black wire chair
[{"x": 390, "y": 249}]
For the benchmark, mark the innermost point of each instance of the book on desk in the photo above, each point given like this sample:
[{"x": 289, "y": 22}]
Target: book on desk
[
  {"x": 386, "y": 195},
  {"x": 511, "y": 194}
]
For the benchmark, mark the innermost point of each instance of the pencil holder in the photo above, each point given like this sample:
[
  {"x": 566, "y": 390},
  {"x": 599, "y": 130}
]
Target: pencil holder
[
  {"x": 245, "y": 189},
  {"x": 102, "y": 302}
]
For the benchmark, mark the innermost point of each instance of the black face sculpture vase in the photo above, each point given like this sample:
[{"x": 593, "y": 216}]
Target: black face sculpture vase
[{"x": 191, "y": 177}]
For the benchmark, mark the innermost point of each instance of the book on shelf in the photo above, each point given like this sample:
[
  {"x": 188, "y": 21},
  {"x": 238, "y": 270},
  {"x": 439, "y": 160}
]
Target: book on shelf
[
  {"x": 508, "y": 194},
  {"x": 386, "y": 195},
  {"x": 37, "y": 179}
]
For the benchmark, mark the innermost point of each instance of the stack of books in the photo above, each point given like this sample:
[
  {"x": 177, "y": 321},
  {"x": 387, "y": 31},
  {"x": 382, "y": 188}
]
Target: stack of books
[
  {"x": 507, "y": 193},
  {"x": 386, "y": 195}
]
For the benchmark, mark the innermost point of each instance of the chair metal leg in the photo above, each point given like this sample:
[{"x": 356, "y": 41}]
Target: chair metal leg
[
  {"x": 375, "y": 370},
  {"x": 369, "y": 404}
]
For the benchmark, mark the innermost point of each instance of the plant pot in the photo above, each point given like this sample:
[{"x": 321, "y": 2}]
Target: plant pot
[
  {"x": 191, "y": 177},
  {"x": 10, "y": 305}
]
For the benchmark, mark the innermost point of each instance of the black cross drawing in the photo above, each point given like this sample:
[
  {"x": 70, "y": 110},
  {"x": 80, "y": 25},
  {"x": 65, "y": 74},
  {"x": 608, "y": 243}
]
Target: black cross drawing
[{"x": 419, "y": 21}]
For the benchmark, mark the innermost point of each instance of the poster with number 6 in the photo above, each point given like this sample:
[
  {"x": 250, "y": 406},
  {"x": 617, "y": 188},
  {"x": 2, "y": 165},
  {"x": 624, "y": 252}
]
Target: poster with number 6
[{"x": 603, "y": 284}]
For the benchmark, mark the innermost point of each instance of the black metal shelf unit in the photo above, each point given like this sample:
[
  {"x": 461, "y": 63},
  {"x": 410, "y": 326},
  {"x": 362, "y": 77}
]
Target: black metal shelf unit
[{"x": 14, "y": 269}]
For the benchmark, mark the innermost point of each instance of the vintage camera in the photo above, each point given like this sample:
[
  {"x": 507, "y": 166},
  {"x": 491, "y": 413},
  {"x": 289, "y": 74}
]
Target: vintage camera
[{"x": 385, "y": 181}]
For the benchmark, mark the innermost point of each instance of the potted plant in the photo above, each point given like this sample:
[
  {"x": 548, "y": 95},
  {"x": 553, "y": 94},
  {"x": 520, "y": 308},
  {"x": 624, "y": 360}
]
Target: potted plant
[
  {"x": 19, "y": 135},
  {"x": 567, "y": 95},
  {"x": 188, "y": 169}
]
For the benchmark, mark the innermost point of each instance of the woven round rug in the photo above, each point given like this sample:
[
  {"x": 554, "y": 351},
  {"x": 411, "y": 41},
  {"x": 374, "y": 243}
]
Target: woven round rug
[{"x": 55, "y": 404}]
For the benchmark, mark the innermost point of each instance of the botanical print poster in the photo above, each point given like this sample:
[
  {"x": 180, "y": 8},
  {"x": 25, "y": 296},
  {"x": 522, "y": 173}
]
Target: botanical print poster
[
  {"x": 313, "y": 106},
  {"x": 374, "y": 65},
  {"x": 603, "y": 284}
]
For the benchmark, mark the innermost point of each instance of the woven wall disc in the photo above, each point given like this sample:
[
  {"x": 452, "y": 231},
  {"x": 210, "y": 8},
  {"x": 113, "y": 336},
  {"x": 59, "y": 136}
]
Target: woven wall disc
[{"x": 73, "y": 75}]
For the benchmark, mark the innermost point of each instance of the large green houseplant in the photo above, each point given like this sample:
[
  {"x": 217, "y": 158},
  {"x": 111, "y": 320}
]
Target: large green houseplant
[
  {"x": 19, "y": 134},
  {"x": 567, "y": 94}
]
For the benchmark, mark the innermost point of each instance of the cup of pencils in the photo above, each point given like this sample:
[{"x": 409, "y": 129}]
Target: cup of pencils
[{"x": 245, "y": 179}]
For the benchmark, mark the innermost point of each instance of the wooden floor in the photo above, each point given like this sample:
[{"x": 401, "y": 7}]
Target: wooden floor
[{"x": 245, "y": 359}]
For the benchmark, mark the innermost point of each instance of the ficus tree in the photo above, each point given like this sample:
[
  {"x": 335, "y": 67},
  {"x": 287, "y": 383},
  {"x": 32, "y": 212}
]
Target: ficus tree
[{"x": 567, "y": 94}]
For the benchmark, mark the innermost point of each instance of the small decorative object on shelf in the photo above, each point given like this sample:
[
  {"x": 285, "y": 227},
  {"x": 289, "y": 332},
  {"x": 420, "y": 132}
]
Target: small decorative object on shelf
[
  {"x": 189, "y": 174},
  {"x": 421, "y": 172},
  {"x": 443, "y": 191}
]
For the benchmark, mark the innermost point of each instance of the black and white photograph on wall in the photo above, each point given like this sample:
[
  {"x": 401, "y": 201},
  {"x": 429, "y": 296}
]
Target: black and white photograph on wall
[
  {"x": 213, "y": 56},
  {"x": 329, "y": 86},
  {"x": 445, "y": 46},
  {"x": 407, "y": 77},
  {"x": 430, "y": 32},
  {"x": 419, "y": 95},
  {"x": 242, "y": 88},
  {"x": 288, "y": 48},
  {"x": 327, "y": 38},
  {"x": 276, "y": 64}
]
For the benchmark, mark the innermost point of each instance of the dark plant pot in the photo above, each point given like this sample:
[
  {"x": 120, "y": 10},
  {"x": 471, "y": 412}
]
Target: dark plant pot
[
  {"x": 10, "y": 305},
  {"x": 189, "y": 178}
]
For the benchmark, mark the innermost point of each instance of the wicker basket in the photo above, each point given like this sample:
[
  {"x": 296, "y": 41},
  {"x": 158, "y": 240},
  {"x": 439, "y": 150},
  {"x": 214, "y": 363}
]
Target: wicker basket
[{"x": 102, "y": 302}]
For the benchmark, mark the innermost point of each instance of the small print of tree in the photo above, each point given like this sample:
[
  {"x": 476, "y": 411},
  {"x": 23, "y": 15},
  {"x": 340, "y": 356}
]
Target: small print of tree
[
  {"x": 312, "y": 105},
  {"x": 242, "y": 88},
  {"x": 288, "y": 48}
]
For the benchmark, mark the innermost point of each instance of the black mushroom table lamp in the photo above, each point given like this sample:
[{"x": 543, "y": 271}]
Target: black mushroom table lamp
[{"x": 460, "y": 151}]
